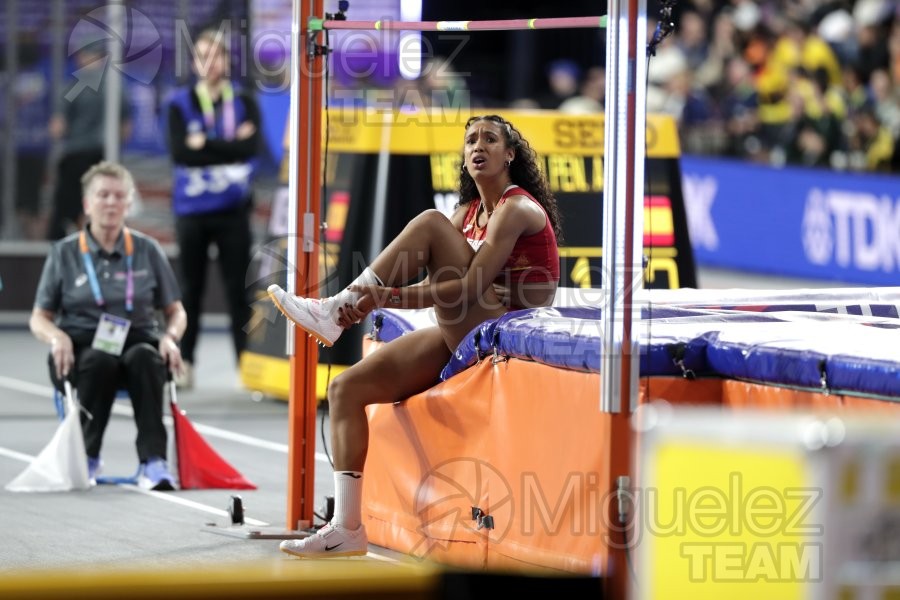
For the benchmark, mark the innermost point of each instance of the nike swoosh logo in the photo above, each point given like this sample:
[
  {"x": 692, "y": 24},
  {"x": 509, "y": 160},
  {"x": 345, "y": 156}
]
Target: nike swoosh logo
[
  {"x": 352, "y": 475},
  {"x": 330, "y": 548}
]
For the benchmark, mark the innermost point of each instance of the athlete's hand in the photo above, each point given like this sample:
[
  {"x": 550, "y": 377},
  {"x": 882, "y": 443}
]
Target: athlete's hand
[{"x": 349, "y": 315}]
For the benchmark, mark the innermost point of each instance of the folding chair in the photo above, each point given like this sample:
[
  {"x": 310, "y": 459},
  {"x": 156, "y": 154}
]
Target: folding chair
[{"x": 59, "y": 402}]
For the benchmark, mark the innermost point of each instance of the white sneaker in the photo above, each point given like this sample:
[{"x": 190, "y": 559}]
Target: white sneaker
[
  {"x": 329, "y": 541},
  {"x": 155, "y": 475},
  {"x": 95, "y": 466},
  {"x": 309, "y": 314}
]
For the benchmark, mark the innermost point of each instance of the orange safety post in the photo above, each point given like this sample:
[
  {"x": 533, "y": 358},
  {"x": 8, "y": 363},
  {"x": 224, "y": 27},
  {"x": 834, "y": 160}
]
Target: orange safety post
[{"x": 305, "y": 180}]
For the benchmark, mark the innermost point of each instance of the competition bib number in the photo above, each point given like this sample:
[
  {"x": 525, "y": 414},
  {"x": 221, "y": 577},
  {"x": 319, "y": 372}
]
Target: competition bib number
[{"x": 215, "y": 179}]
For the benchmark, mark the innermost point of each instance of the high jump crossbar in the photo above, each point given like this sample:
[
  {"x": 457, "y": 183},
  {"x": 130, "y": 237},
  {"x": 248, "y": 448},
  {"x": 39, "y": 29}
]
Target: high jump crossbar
[{"x": 316, "y": 24}]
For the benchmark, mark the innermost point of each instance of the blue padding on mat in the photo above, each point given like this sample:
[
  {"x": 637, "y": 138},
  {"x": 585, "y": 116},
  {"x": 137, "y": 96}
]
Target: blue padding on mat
[
  {"x": 685, "y": 340},
  {"x": 663, "y": 356},
  {"x": 852, "y": 373},
  {"x": 390, "y": 325},
  {"x": 765, "y": 363},
  {"x": 555, "y": 340},
  {"x": 470, "y": 350},
  {"x": 569, "y": 337}
]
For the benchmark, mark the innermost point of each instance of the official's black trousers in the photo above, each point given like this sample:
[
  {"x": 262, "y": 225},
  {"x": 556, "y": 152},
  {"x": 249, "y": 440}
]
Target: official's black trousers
[
  {"x": 230, "y": 232},
  {"x": 98, "y": 376}
]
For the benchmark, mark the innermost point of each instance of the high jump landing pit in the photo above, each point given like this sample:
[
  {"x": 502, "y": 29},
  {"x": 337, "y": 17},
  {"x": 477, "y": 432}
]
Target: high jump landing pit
[{"x": 514, "y": 429}]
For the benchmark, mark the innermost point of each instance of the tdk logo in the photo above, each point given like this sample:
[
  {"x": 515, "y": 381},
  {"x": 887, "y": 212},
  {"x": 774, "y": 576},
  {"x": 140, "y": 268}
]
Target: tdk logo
[{"x": 852, "y": 229}]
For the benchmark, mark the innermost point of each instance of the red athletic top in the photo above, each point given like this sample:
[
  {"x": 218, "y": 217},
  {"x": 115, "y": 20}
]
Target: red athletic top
[{"x": 534, "y": 258}]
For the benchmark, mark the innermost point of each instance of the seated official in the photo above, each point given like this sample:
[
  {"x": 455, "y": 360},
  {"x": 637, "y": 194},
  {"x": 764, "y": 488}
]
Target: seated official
[{"x": 97, "y": 305}]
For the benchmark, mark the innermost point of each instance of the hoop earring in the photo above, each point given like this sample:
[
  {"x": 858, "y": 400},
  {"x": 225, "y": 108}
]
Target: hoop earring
[{"x": 509, "y": 162}]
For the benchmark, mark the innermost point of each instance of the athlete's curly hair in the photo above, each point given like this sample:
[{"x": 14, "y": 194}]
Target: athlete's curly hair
[{"x": 523, "y": 171}]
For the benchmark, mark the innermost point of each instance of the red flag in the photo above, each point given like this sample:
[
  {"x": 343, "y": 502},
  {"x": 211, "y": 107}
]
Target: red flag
[{"x": 199, "y": 466}]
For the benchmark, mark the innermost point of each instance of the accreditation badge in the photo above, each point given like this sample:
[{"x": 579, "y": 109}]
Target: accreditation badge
[{"x": 111, "y": 334}]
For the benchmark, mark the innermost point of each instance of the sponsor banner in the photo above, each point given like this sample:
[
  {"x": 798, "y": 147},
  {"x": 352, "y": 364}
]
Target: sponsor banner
[
  {"x": 796, "y": 222},
  {"x": 437, "y": 131},
  {"x": 573, "y": 144}
]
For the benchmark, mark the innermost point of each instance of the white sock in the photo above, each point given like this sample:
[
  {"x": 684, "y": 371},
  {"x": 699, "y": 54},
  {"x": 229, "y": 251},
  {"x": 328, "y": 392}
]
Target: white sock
[
  {"x": 348, "y": 499},
  {"x": 345, "y": 296}
]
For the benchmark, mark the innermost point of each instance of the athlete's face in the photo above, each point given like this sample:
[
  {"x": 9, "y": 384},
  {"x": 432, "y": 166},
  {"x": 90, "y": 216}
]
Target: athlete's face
[{"x": 486, "y": 152}]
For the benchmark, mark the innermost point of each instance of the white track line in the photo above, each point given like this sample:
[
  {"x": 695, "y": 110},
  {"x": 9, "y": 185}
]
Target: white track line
[
  {"x": 175, "y": 499},
  {"x": 46, "y": 391},
  {"x": 158, "y": 495},
  {"x": 16, "y": 455},
  {"x": 26, "y": 386},
  {"x": 168, "y": 497}
]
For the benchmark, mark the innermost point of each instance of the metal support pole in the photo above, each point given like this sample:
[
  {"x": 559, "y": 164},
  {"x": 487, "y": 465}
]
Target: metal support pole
[
  {"x": 622, "y": 251},
  {"x": 623, "y": 206},
  {"x": 112, "y": 128},
  {"x": 10, "y": 221},
  {"x": 57, "y": 71}
]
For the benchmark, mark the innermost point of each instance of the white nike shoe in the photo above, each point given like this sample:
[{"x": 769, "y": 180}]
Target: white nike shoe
[
  {"x": 329, "y": 541},
  {"x": 309, "y": 314}
]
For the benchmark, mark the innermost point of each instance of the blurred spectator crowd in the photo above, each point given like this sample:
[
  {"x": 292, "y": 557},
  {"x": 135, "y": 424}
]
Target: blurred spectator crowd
[
  {"x": 812, "y": 83},
  {"x": 784, "y": 82}
]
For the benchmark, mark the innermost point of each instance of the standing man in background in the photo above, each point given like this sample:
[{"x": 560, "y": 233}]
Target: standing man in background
[
  {"x": 78, "y": 124},
  {"x": 213, "y": 139}
]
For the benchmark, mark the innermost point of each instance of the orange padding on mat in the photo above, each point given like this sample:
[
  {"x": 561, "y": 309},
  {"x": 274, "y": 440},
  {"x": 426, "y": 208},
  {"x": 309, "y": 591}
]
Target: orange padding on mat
[
  {"x": 527, "y": 444},
  {"x": 524, "y": 442},
  {"x": 741, "y": 394},
  {"x": 511, "y": 439}
]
